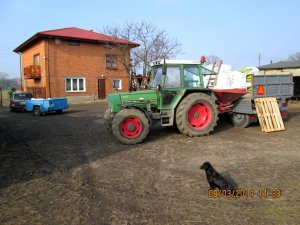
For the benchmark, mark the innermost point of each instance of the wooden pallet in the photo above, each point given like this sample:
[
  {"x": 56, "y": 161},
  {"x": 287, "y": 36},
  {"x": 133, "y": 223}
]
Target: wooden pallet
[{"x": 268, "y": 114}]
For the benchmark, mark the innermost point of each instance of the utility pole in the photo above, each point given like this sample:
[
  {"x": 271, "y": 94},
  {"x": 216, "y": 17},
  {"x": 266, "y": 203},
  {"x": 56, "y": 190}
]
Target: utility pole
[
  {"x": 258, "y": 59},
  {"x": 1, "y": 104}
]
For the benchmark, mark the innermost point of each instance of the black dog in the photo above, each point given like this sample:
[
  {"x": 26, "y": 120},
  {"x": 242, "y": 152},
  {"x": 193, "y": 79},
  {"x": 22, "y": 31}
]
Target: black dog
[{"x": 217, "y": 180}]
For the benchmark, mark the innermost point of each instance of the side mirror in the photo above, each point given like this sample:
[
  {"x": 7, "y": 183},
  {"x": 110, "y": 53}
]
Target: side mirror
[{"x": 164, "y": 68}]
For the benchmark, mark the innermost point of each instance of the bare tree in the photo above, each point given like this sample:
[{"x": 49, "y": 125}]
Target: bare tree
[
  {"x": 294, "y": 57},
  {"x": 122, "y": 46},
  {"x": 154, "y": 43},
  {"x": 212, "y": 58}
]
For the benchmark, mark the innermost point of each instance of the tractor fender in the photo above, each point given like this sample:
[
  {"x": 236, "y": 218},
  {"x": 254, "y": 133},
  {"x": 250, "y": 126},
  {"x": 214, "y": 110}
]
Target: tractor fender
[
  {"x": 132, "y": 106},
  {"x": 206, "y": 91}
]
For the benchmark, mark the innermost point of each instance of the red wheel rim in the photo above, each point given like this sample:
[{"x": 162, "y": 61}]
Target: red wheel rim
[
  {"x": 199, "y": 115},
  {"x": 131, "y": 127}
]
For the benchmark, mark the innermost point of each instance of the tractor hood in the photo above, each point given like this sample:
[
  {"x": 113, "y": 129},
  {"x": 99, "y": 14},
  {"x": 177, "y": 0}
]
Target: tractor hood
[{"x": 137, "y": 99}]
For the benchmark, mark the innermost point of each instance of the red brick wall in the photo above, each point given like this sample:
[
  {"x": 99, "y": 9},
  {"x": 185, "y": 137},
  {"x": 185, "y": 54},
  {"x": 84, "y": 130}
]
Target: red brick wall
[{"x": 88, "y": 60}]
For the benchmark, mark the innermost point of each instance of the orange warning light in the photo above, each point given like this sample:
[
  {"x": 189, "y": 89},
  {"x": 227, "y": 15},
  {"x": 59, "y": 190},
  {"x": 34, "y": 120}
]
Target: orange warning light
[
  {"x": 260, "y": 90},
  {"x": 203, "y": 59}
]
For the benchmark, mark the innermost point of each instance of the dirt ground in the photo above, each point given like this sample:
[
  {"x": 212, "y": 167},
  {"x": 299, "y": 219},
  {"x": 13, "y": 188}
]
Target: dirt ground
[{"x": 66, "y": 169}]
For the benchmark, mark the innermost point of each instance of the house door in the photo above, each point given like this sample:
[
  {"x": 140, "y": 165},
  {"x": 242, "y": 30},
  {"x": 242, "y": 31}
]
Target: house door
[{"x": 101, "y": 88}]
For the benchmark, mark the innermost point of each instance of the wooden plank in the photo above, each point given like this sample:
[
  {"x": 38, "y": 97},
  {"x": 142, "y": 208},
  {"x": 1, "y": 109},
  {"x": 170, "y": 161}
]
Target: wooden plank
[
  {"x": 275, "y": 117},
  {"x": 273, "y": 122},
  {"x": 261, "y": 118},
  {"x": 274, "y": 105},
  {"x": 266, "y": 115},
  {"x": 260, "y": 115},
  {"x": 278, "y": 115},
  {"x": 269, "y": 115}
]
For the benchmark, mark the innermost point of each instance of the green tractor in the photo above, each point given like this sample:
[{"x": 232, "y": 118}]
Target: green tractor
[{"x": 175, "y": 97}]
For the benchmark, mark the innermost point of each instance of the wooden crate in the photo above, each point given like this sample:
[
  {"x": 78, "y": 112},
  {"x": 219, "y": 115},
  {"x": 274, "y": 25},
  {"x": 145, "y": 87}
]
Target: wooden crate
[{"x": 268, "y": 114}]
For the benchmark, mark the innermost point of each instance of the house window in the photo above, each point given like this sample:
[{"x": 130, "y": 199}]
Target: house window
[
  {"x": 111, "y": 61},
  {"x": 75, "y": 84},
  {"x": 73, "y": 43},
  {"x": 117, "y": 84},
  {"x": 36, "y": 60}
]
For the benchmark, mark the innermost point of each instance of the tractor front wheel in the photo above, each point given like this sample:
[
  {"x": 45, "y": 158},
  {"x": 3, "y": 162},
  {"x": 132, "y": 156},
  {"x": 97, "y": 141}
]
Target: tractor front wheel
[
  {"x": 196, "y": 115},
  {"x": 130, "y": 126}
]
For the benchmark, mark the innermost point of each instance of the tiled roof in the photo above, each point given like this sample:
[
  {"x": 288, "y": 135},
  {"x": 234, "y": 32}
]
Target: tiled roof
[
  {"x": 281, "y": 65},
  {"x": 79, "y": 34}
]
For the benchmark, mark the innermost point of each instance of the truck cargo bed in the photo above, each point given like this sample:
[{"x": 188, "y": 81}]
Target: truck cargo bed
[
  {"x": 46, "y": 105},
  {"x": 277, "y": 86}
]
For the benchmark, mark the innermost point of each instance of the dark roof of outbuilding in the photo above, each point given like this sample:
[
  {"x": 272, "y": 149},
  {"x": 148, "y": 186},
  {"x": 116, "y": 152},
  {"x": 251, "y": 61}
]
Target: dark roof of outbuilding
[
  {"x": 281, "y": 65},
  {"x": 78, "y": 34}
]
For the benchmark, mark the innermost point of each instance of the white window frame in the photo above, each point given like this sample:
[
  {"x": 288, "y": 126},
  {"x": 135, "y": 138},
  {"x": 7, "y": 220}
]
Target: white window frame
[
  {"x": 72, "y": 79},
  {"x": 120, "y": 86}
]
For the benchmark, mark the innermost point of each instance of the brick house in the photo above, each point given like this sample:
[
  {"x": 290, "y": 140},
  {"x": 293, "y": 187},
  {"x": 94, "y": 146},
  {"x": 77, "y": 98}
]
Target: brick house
[{"x": 74, "y": 63}]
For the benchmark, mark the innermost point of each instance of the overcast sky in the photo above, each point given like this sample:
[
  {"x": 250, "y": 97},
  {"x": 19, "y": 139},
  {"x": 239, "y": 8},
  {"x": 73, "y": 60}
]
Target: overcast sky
[{"x": 235, "y": 30}]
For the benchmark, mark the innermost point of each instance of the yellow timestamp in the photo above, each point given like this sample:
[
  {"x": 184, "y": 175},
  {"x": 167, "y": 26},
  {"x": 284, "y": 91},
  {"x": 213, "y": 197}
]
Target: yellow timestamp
[{"x": 245, "y": 193}]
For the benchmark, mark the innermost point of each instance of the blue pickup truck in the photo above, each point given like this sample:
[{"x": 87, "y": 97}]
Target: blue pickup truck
[{"x": 42, "y": 106}]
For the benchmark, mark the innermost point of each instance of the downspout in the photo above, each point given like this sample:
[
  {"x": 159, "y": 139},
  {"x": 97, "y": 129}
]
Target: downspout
[
  {"x": 48, "y": 70},
  {"x": 20, "y": 54}
]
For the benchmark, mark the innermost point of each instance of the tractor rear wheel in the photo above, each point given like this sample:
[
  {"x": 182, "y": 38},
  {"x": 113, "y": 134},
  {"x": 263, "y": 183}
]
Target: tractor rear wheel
[
  {"x": 196, "y": 115},
  {"x": 240, "y": 120},
  {"x": 130, "y": 126}
]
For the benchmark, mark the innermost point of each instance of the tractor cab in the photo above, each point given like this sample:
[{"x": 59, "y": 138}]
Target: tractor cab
[
  {"x": 176, "y": 74},
  {"x": 172, "y": 78}
]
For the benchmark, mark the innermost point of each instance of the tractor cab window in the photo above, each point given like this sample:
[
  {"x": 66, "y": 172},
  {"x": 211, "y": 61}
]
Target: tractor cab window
[
  {"x": 173, "y": 77},
  {"x": 191, "y": 76},
  {"x": 156, "y": 74}
]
